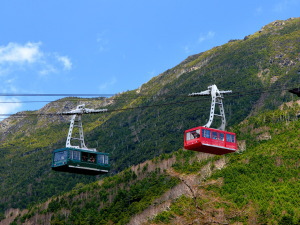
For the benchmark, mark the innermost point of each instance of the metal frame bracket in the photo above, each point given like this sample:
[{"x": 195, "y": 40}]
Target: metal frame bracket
[{"x": 216, "y": 99}]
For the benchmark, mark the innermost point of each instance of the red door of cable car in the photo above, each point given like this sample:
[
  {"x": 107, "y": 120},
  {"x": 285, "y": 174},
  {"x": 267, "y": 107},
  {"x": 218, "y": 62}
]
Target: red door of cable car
[{"x": 209, "y": 140}]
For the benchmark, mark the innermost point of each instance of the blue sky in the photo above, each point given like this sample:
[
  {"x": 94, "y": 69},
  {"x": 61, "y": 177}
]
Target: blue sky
[{"x": 111, "y": 46}]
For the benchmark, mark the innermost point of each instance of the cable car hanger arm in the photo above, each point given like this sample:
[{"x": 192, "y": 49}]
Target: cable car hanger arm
[
  {"x": 216, "y": 98},
  {"x": 207, "y": 93},
  {"x": 80, "y": 109},
  {"x": 78, "y": 112}
]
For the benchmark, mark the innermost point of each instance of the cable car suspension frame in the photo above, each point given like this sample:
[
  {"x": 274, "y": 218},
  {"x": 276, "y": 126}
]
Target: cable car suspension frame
[
  {"x": 216, "y": 99},
  {"x": 80, "y": 159},
  {"x": 78, "y": 112}
]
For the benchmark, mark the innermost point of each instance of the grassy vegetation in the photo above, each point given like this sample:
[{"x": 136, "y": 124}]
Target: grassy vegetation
[
  {"x": 113, "y": 201},
  {"x": 260, "y": 184},
  {"x": 268, "y": 173}
]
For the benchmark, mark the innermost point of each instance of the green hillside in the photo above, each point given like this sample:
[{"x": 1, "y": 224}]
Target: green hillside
[
  {"x": 258, "y": 185},
  {"x": 148, "y": 122}
]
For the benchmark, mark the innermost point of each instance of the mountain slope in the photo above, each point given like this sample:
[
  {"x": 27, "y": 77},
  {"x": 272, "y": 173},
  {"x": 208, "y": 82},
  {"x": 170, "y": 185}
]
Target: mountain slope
[
  {"x": 259, "y": 185},
  {"x": 151, "y": 119}
]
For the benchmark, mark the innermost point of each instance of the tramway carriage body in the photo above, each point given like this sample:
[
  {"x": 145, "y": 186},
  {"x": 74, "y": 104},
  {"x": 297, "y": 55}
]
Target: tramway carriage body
[
  {"x": 80, "y": 161},
  {"x": 210, "y": 140}
]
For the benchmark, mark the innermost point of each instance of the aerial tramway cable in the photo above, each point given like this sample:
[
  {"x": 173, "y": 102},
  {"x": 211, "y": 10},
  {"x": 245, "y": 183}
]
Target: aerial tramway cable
[
  {"x": 129, "y": 96},
  {"x": 236, "y": 94}
]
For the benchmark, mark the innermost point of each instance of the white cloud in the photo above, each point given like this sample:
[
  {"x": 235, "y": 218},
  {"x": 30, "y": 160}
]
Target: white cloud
[
  {"x": 280, "y": 7},
  {"x": 16, "y": 53},
  {"x": 102, "y": 42},
  {"x": 194, "y": 47},
  {"x": 187, "y": 49},
  {"x": 21, "y": 65},
  {"x": 258, "y": 10},
  {"x": 30, "y": 57},
  {"x": 9, "y": 106},
  {"x": 152, "y": 73},
  {"x": 4, "y": 71},
  {"x": 108, "y": 84},
  {"x": 67, "y": 64},
  {"x": 8, "y": 86},
  {"x": 284, "y": 5},
  {"x": 47, "y": 69},
  {"x": 204, "y": 37}
]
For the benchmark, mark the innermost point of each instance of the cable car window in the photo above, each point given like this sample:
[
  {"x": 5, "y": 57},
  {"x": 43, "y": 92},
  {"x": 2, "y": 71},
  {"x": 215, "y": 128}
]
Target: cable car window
[
  {"x": 100, "y": 159},
  {"x": 105, "y": 159},
  {"x": 92, "y": 158},
  {"x": 214, "y": 135},
  {"x": 221, "y": 136},
  {"x": 230, "y": 138},
  {"x": 74, "y": 155},
  {"x": 206, "y": 133},
  {"x": 196, "y": 133},
  {"x": 188, "y": 136},
  {"x": 59, "y": 156},
  {"x": 193, "y": 134},
  {"x": 84, "y": 156}
]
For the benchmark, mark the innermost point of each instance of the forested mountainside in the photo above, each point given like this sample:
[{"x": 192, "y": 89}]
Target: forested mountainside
[
  {"x": 145, "y": 123},
  {"x": 258, "y": 185}
]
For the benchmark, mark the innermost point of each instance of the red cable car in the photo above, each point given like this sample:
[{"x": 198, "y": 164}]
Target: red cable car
[{"x": 209, "y": 140}]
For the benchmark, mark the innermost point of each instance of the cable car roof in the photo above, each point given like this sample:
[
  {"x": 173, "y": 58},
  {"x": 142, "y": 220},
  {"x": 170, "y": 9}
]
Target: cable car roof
[
  {"x": 212, "y": 129},
  {"x": 80, "y": 150}
]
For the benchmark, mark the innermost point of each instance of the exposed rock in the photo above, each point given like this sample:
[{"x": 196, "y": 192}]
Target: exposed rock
[
  {"x": 264, "y": 136},
  {"x": 241, "y": 145},
  {"x": 260, "y": 130}
]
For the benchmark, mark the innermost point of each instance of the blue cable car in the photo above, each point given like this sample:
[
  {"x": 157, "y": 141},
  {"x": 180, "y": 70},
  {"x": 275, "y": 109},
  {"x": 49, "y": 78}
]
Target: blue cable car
[
  {"x": 80, "y": 161},
  {"x": 78, "y": 158}
]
